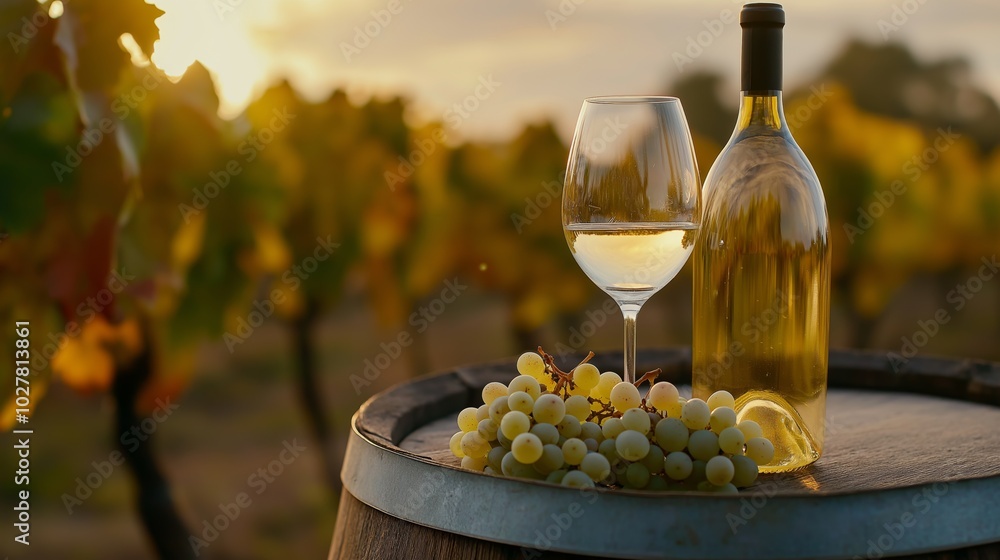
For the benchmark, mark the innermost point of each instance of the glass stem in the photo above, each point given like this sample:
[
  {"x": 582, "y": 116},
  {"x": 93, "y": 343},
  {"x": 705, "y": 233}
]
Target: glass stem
[{"x": 629, "y": 312}]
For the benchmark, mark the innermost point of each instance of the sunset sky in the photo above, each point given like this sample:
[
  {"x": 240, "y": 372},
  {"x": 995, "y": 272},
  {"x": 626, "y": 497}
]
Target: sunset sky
[{"x": 435, "y": 53}]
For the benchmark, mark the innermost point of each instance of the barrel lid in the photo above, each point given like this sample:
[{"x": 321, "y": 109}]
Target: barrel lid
[{"x": 767, "y": 521}]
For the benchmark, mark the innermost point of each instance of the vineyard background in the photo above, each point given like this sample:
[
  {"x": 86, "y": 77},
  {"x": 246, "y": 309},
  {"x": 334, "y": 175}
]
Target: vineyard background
[{"x": 270, "y": 272}]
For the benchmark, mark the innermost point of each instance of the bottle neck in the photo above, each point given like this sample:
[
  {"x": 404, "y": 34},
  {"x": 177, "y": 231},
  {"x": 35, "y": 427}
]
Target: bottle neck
[{"x": 761, "y": 109}]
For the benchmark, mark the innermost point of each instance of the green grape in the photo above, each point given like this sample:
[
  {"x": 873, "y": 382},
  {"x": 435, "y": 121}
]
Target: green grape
[
  {"x": 503, "y": 440},
  {"x": 653, "y": 418},
  {"x": 721, "y": 398},
  {"x": 495, "y": 457},
  {"x": 631, "y": 445},
  {"x": 521, "y": 402},
  {"x": 586, "y": 376},
  {"x": 549, "y": 409},
  {"x": 671, "y": 434},
  {"x": 455, "y": 444},
  {"x": 596, "y": 466},
  {"x": 474, "y": 464},
  {"x": 636, "y": 419},
  {"x": 731, "y": 441},
  {"x": 728, "y": 488},
  {"x": 482, "y": 413},
  {"x": 674, "y": 409},
  {"x": 578, "y": 407},
  {"x": 612, "y": 427},
  {"x": 569, "y": 427},
  {"x": 527, "y": 448},
  {"x": 744, "y": 471},
  {"x": 722, "y": 418},
  {"x": 636, "y": 475},
  {"x": 525, "y": 383},
  {"x": 697, "y": 471},
  {"x": 555, "y": 477},
  {"x": 546, "y": 433},
  {"x": 492, "y": 391},
  {"x": 512, "y": 467},
  {"x": 551, "y": 459},
  {"x": 657, "y": 484},
  {"x": 662, "y": 395},
  {"x": 467, "y": 420},
  {"x": 562, "y": 440},
  {"x": 609, "y": 450},
  {"x": 760, "y": 450},
  {"x": 531, "y": 364},
  {"x": 473, "y": 445},
  {"x": 625, "y": 396},
  {"x": 695, "y": 414},
  {"x": 590, "y": 430},
  {"x": 703, "y": 444},
  {"x": 706, "y": 486},
  {"x": 654, "y": 459},
  {"x": 750, "y": 429},
  {"x": 719, "y": 470},
  {"x": 507, "y": 464},
  {"x": 498, "y": 408},
  {"x": 591, "y": 444},
  {"x": 490, "y": 470},
  {"x": 677, "y": 465},
  {"x": 514, "y": 423},
  {"x": 574, "y": 450},
  {"x": 488, "y": 429},
  {"x": 578, "y": 479},
  {"x": 602, "y": 391}
]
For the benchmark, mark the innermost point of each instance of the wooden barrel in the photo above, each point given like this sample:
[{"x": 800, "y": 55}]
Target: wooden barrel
[{"x": 911, "y": 468}]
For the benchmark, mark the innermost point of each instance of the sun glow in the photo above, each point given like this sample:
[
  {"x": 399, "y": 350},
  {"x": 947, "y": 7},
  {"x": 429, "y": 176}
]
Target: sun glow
[{"x": 218, "y": 35}]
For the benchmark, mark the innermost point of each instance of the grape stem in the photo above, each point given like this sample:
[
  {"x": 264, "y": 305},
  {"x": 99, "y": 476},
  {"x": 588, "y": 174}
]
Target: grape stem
[
  {"x": 561, "y": 377},
  {"x": 648, "y": 376}
]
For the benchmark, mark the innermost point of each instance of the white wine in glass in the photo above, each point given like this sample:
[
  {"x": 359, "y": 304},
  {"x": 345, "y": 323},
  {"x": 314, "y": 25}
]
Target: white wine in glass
[{"x": 631, "y": 203}]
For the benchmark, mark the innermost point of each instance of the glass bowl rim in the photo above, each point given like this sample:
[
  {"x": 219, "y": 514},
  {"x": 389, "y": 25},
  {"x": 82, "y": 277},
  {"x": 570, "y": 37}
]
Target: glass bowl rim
[{"x": 630, "y": 99}]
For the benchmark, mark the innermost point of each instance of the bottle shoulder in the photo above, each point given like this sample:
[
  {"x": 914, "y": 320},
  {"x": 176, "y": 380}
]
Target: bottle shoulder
[{"x": 766, "y": 182}]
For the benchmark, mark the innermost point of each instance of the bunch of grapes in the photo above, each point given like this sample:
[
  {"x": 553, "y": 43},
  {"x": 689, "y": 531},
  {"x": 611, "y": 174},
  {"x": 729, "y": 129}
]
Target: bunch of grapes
[{"x": 584, "y": 428}]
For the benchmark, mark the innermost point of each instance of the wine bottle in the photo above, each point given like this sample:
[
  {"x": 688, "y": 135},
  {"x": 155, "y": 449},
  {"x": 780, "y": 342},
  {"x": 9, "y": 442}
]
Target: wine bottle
[{"x": 762, "y": 264}]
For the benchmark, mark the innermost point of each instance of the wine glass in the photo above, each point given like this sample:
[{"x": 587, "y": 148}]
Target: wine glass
[{"x": 631, "y": 204}]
